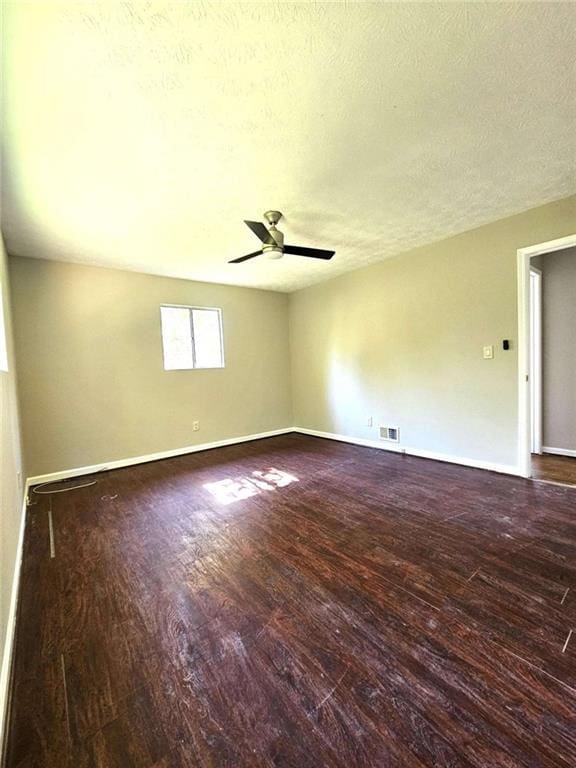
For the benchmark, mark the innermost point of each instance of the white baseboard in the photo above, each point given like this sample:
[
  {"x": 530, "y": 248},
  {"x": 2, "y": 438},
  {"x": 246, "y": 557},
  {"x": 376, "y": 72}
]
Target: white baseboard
[
  {"x": 507, "y": 469},
  {"x": 8, "y": 649},
  {"x": 559, "y": 451},
  {"x": 89, "y": 470}
]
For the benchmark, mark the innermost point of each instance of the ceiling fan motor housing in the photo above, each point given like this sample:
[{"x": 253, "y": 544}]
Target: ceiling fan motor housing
[{"x": 275, "y": 250}]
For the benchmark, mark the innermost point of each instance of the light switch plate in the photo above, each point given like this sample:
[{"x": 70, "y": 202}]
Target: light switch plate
[{"x": 488, "y": 352}]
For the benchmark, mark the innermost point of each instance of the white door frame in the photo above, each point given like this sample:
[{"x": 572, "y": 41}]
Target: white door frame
[
  {"x": 524, "y": 417},
  {"x": 535, "y": 360}
]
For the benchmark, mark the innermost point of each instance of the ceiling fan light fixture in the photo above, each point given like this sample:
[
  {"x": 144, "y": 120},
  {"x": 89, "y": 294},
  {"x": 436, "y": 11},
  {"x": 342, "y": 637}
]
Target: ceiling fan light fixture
[{"x": 273, "y": 253}]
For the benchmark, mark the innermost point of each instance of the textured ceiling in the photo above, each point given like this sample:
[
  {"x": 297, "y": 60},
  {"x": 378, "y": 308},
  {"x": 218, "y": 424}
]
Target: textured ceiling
[{"x": 139, "y": 135}]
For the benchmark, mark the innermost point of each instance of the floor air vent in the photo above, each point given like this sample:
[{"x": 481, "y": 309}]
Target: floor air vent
[{"x": 390, "y": 433}]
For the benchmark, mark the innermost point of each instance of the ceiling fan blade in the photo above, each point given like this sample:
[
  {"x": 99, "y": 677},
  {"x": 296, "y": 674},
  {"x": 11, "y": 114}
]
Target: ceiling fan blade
[
  {"x": 315, "y": 253},
  {"x": 260, "y": 231},
  {"x": 245, "y": 258}
]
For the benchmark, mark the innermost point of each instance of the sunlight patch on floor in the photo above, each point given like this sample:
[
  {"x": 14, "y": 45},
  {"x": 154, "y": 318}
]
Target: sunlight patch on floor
[{"x": 235, "y": 489}]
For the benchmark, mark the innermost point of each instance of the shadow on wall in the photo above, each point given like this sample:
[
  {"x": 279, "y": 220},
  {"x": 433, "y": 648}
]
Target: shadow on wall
[{"x": 375, "y": 374}]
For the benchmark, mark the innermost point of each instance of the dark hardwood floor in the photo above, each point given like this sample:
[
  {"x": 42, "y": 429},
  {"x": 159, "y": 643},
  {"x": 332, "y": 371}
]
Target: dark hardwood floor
[
  {"x": 379, "y": 611},
  {"x": 555, "y": 469}
]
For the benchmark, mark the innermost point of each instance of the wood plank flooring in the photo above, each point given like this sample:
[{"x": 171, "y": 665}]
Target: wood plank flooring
[
  {"x": 298, "y": 602},
  {"x": 556, "y": 469}
]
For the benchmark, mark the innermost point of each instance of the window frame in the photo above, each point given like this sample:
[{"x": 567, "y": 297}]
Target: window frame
[{"x": 190, "y": 308}]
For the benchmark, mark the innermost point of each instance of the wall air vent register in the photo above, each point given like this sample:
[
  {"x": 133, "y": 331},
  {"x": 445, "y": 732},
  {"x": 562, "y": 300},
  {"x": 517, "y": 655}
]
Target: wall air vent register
[{"x": 392, "y": 434}]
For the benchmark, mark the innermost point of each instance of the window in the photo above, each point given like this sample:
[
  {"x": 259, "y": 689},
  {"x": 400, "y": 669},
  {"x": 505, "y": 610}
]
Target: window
[{"x": 191, "y": 337}]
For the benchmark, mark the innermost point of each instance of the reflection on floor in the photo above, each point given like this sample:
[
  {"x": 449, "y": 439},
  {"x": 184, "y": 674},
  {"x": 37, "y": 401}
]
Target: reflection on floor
[
  {"x": 555, "y": 469},
  {"x": 298, "y": 603}
]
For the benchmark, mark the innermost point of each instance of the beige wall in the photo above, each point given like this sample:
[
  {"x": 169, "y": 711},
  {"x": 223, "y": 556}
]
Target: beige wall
[
  {"x": 11, "y": 473},
  {"x": 401, "y": 341},
  {"x": 559, "y": 349},
  {"x": 92, "y": 384}
]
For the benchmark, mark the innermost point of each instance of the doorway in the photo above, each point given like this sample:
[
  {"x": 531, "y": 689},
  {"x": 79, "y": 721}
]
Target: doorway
[{"x": 546, "y": 445}]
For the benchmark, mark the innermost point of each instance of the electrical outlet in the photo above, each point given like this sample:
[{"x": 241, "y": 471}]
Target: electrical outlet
[{"x": 195, "y": 426}]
